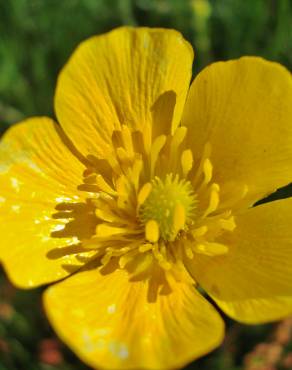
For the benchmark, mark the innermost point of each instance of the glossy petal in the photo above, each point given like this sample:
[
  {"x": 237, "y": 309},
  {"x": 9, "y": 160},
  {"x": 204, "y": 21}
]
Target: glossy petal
[
  {"x": 127, "y": 76},
  {"x": 116, "y": 327},
  {"x": 243, "y": 108},
  {"x": 37, "y": 173},
  {"x": 253, "y": 282},
  {"x": 258, "y": 311}
]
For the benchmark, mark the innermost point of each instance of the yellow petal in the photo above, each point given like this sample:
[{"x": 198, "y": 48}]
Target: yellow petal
[
  {"x": 243, "y": 109},
  {"x": 253, "y": 281},
  {"x": 258, "y": 311},
  {"x": 37, "y": 172},
  {"x": 120, "y": 78},
  {"x": 116, "y": 327}
]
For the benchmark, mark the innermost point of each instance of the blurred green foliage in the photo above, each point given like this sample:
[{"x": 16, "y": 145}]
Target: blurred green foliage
[{"x": 36, "y": 39}]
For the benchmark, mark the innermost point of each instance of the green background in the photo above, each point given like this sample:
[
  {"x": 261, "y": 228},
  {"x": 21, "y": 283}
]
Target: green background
[{"x": 36, "y": 38}]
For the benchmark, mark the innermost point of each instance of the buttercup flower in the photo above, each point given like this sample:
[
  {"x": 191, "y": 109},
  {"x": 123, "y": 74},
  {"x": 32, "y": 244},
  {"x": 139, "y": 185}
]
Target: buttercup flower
[{"x": 144, "y": 195}]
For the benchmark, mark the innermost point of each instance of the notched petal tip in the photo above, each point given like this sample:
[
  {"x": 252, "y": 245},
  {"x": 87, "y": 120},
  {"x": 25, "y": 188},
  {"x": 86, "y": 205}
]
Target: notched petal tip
[{"x": 124, "y": 57}]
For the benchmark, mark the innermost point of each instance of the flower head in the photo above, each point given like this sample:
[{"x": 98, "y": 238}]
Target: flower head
[{"x": 144, "y": 194}]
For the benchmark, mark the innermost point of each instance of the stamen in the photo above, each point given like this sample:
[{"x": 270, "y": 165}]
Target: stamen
[
  {"x": 115, "y": 252},
  {"x": 179, "y": 219},
  {"x": 104, "y": 230},
  {"x": 126, "y": 258},
  {"x": 136, "y": 172},
  {"x": 160, "y": 257},
  {"x": 127, "y": 140},
  {"x": 157, "y": 222},
  {"x": 177, "y": 139},
  {"x": 211, "y": 249},
  {"x": 106, "y": 259},
  {"x": 152, "y": 231},
  {"x": 123, "y": 155},
  {"x": 122, "y": 186},
  {"x": 206, "y": 154},
  {"x": 143, "y": 264},
  {"x": 157, "y": 145},
  {"x": 104, "y": 186},
  {"x": 208, "y": 170},
  {"x": 234, "y": 193},
  {"x": 186, "y": 161},
  {"x": 145, "y": 247},
  {"x": 90, "y": 179},
  {"x": 106, "y": 215},
  {"x": 200, "y": 231},
  {"x": 143, "y": 193},
  {"x": 114, "y": 164},
  {"x": 188, "y": 250},
  {"x": 213, "y": 201},
  {"x": 227, "y": 224}
]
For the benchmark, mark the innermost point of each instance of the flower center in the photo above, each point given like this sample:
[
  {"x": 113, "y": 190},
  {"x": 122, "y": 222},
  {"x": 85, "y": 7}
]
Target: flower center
[{"x": 167, "y": 207}]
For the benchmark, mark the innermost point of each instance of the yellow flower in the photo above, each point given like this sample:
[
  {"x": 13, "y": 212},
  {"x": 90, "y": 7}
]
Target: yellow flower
[{"x": 146, "y": 193}]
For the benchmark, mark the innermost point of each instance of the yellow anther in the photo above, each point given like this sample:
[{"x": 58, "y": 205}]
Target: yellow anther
[
  {"x": 200, "y": 231},
  {"x": 104, "y": 186},
  {"x": 145, "y": 247},
  {"x": 136, "y": 171},
  {"x": 228, "y": 224},
  {"x": 178, "y": 137},
  {"x": 127, "y": 257},
  {"x": 124, "y": 260},
  {"x": 152, "y": 231},
  {"x": 144, "y": 264},
  {"x": 157, "y": 145},
  {"x": 103, "y": 230},
  {"x": 179, "y": 219},
  {"x": 121, "y": 185},
  {"x": 105, "y": 214},
  {"x": 208, "y": 171},
  {"x": 211, "y": 249},
  {"x": 160, "y": 257},
  {"x": 188, "y": 251},
  {"x": 165, "y": 265},
  {"x": 144, "y": 192},
  {"x": 206, "y": 154},
  {"x": 187, "y": 161},
  {"x": 213, "y": 201},
  {"x": 127, "y": 139},
  {"x": 106, "y": 258},
  {"x": 125, "y": 250},
  {"x": 117, "y": 252},
  {"x": 122, "y": 154}
]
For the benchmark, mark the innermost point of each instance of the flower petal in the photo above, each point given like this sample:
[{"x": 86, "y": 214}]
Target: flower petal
[
  {"x": 243, "y": 108},
  {"x": 37, "y": 172},
  {"x": 258, "y": 311},
  {"x": 126, "y": 76},
  {"x": 116, "y": 327},
  {"x": 253, "y": 282}
]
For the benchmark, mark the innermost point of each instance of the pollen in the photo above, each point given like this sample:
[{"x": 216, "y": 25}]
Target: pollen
[{"x": 168, "y": 204}]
